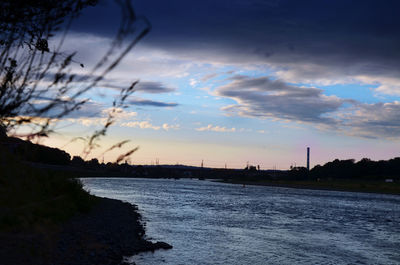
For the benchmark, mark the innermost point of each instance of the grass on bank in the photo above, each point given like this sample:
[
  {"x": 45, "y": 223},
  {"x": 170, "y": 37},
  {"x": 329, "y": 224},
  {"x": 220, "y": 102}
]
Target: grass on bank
[
  {"x": 31, "y": 197},
  {"x": 339, "y": 185}
]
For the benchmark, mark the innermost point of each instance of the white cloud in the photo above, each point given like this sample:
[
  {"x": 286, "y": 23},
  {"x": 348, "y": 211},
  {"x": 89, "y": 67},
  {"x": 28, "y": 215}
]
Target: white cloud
[
  {"x": 119, "y": 115},
  {"x": 193, "y": 82},
  {"x": 379, "y": 120},
  {"x": 148, "y": 125},
  {"x": 385, "y": 85},
  {"x": 88, "y": 121},
  {"x": 205, "y": 88},
  {"x": 167, "y": 126},
  {"x": 325, "y": 75},
  {"x": 140, "y": 124},
  {"x": 210, "y": 127}
]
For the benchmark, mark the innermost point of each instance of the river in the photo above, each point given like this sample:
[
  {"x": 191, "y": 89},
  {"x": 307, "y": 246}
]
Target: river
[{"x": 217, "y": 223}]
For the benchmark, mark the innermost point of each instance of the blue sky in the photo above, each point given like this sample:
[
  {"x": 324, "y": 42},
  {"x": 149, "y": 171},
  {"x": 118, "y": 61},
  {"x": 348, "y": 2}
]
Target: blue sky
[{"x": 248, "y": 81}]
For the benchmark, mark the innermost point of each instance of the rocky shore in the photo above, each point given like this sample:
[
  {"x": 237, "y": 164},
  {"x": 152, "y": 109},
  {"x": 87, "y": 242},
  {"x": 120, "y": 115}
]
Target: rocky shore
[{"x": 110, "y": 231}]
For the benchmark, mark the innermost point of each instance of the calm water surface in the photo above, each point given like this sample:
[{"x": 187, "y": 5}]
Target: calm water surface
[{"x": 216, "y": 223}]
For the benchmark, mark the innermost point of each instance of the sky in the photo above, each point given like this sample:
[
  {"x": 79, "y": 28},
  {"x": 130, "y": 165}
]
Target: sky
[{"x": 246, "y": 81}]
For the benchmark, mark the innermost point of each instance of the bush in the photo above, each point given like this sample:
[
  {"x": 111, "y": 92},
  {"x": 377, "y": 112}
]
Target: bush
[{"x": 30, "y": 196}]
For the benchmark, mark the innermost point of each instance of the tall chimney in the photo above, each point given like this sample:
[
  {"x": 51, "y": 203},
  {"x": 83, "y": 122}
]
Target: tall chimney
[{"x": 308, "y": 158}]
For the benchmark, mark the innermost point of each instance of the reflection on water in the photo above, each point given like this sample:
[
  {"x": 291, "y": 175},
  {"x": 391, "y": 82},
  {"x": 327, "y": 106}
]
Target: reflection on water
[{"x": 216, "y": 223}]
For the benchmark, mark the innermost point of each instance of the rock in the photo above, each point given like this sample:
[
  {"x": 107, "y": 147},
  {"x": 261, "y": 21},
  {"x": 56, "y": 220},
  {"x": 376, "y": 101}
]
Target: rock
[{"x": 161, "y": 245}]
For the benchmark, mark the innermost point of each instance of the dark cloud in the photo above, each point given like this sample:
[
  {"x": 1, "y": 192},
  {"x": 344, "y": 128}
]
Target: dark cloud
[
  {"x": 88, "y": 110},
  {"x": 265, "y": 98},
  {"x": 142, "y": 86},
  {"x": 261, "y": 97},
  {"x": 379, "y": 120},
  {"x": 146, "y": 102},
  {"x": 290, "y": 25},
  {"x": 305, "y": 42},
  {"x": 309, "y": 39},
  {"x": 208, "y": 77},
  {"x": 153, "y": 87}
]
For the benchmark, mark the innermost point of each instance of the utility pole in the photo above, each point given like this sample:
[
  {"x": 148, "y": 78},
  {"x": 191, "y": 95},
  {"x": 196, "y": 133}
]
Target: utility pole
[{"x": 308, "y": 158}]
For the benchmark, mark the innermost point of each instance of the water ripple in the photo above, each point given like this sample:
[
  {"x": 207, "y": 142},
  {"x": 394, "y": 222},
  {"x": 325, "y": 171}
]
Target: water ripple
[{"x": 216, "y": 223}]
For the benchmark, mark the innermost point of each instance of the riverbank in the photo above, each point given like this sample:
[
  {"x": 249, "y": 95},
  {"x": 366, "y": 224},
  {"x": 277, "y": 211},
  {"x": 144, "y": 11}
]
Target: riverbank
[
  {"x": 351, "y": 186},
  {"x": 109, "y": 231}
]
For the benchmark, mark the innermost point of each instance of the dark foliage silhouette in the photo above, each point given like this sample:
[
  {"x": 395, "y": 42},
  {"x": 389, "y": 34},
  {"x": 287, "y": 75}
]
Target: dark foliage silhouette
[
  {"x": 38, "y": 86},
  {"x": 365, "y": 169}
]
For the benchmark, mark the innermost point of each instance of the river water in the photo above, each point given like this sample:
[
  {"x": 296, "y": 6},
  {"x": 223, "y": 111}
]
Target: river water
[{"x": 217, "y": 223}]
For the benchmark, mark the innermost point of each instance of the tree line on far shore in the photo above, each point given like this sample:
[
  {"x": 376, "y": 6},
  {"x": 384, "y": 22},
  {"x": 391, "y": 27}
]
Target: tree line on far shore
[{"x": 365, "y": 169}]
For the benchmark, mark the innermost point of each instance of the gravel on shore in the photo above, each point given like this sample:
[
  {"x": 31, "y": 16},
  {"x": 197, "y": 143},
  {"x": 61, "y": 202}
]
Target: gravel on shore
[{"x": 110, "y": 231}]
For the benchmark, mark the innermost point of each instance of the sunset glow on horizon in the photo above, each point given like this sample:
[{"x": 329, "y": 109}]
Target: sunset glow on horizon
[{"x": 260, "y": 89}]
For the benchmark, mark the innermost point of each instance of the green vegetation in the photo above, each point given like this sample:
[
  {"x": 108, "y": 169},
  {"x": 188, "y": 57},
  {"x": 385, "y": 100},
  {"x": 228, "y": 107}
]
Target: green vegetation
[
  {"x": 339, "y": 185},
  {"x": 31, "y": 197},
  {"x": 363, "y": 170}
]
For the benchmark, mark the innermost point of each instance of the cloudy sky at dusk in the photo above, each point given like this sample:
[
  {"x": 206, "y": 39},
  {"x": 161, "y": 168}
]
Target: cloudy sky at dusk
[{"x": 248, "y": 80}]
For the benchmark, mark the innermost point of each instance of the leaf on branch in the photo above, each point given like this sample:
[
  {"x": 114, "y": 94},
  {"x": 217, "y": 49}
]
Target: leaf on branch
[
  {"x": 123, "y": 156},
  {"x": 42, "y": 45},
  {"x": 117, "y": 145}
]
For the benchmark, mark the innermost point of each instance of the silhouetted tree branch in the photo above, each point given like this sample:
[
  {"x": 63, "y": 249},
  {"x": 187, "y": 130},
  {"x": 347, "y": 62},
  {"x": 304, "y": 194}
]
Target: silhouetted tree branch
[{"x": 37, "y": 86}]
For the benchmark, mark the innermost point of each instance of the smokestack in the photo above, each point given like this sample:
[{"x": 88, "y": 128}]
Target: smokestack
[{"x": 308, "y": 158}]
